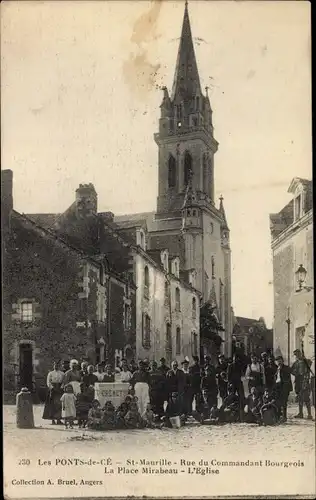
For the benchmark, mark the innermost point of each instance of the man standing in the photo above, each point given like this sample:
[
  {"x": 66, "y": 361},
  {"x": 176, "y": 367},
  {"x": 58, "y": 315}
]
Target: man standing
[
  {"x": 302, "y": 385},
  {"x": 195, "y": 376},
  {"x": 234, "y": 374},
  {"x": 175, "y": 382},
  {"x": 221, "y": 373},
  {"x": 186, "y": 396},
  {"x": 283, "y": 387}
]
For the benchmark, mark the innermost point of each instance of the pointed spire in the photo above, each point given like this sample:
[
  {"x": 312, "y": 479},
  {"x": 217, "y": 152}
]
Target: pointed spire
[
  {"x": 186, "y": 81},
  {"x": 222, "y": 211},
  {"x": 212, "y": 300},
  {"x": 190, "y": 199}
]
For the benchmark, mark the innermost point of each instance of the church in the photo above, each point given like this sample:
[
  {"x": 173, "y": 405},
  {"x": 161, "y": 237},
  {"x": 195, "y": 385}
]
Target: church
[{"x": 187, "y": 221}]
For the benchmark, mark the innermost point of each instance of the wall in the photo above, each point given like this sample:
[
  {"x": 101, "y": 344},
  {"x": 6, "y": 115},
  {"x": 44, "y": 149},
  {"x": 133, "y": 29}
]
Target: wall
[
  {"x": 38, "y": 269},
  {"x": 162, "y": 312},
  {"x": 291, "y": 249}
]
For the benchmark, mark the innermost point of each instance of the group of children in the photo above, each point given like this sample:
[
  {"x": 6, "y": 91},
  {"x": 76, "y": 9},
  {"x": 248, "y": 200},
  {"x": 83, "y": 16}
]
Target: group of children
[{"x": 88, "y": 413}]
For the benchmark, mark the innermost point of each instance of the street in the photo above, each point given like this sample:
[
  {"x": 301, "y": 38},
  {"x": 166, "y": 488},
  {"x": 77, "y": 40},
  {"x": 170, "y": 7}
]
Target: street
[{"x": 278, "y": 460}]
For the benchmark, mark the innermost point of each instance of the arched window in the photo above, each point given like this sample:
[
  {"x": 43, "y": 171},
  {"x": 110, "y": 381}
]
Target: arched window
[
  {"x": 146, "y": 331},
  {"x": 194, "y": 307},
  {"x": 178, "y": 299},
  {"x": 142, "y": 240},
  {"x": 171, "y": 172},
  {"x": 194, "y": 343},
  {"x": 146, "y": 281},
  {"x": 188, "y": 172},
  {"x": 197, "y": 102},
  {"x": 178, "y": 340},
  {"x": 168, "y": 338}
]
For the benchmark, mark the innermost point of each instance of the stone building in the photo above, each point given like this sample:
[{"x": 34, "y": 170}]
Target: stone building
[
  {"x": 252, "y": 336},
  {"x": 59, "y": 302},
  {"x": 159, "y": 313},
  {"x": 187, "y": 221},
  {"x": 292, "y": 247}
]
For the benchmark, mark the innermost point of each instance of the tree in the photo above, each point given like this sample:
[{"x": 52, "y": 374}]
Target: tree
[{"x": 209, "y": 324}]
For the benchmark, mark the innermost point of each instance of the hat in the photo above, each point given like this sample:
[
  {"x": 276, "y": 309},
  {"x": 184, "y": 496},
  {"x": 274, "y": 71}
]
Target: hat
[
  {"x": 221, "y": 356},
  {"x": 297, "y": 351},
  {"x": 74, "y": 362},
  {"x": 186, "y": 360},
  {"x": 279, "y": 357},
  {"x": 162, "y": 359}
]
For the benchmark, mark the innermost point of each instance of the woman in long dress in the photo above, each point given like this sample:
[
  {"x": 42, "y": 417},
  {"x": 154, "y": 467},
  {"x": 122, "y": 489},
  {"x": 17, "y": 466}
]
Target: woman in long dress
[
  {"x": 52, "y": 409},
  {"x": 140, "y": 382},
  {"x": 73, "y": 377}
]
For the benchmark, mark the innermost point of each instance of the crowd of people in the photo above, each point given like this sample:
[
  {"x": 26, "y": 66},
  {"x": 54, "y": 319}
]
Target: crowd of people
[{"x": 157, "y": 394}]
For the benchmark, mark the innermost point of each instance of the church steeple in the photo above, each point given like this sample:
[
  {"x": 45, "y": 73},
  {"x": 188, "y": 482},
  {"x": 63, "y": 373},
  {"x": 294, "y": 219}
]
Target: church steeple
[
  {"x": 186, "y": 82},
  {"x": 186, "y": 135}
]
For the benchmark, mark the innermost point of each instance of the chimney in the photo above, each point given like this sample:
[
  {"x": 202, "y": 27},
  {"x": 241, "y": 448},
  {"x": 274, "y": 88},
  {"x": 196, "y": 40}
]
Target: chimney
[
  {"x": 6, "y": 198},
  {"x": 86, "y": 200}
]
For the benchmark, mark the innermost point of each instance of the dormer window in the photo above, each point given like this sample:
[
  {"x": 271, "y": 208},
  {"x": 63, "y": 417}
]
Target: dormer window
[
  {"x": 298, "y": 207},
  {"x": 165, "y": 261},
  {"x": 142, "y": 239},
  {"x": 175, "y": 268}
]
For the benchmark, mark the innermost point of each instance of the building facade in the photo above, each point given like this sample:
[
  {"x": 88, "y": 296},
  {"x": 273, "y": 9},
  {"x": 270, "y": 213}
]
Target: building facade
[
  {"x": 187, "y": 221},
  {"x": 252, "y": 336},
  {"x": 292, "y": 246},
  {"x": 58, "y": 302}
]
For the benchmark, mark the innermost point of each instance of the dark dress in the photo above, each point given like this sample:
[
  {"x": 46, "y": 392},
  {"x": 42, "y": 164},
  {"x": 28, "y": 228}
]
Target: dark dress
[
  {"x": 157, "y": 392},
  {"x": 52, "y": 408},
  {"x": 270, "y": 371}
]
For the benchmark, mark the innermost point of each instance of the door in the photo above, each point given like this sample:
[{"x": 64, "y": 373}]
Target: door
[{"x": 26, "y": 366}]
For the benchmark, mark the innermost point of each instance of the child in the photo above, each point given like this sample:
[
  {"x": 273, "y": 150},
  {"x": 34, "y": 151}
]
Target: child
[
  {"x": 82, "y": 405},
  {"x": 148, "y": 417},
  {"x": 95, "y": 416},
  {"x": 108, "y": 416},
  {"x": 68, "y": 402},
  {"x": 120, "y": 415},
  {"x": 173, "y": 409},
  {"x": 252, "y": 408},
  {"x": 230, "y": 410},
  {"x": 132, "y": 418},
  {"x": 269, "y": 410}
]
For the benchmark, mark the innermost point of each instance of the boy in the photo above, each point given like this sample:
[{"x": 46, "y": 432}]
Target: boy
[
  {"x": 269, "y": 410},
  {"x": 252, "y": 407},
  {"x": 82, "y": 406}
]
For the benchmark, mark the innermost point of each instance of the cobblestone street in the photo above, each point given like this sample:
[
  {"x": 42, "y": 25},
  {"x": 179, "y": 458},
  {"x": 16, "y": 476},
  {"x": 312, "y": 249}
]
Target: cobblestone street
[{"x": 291, "y": 442}]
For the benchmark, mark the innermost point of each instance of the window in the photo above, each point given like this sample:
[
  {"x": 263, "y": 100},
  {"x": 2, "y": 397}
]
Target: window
[
  {"x": 194, "y": 307},
  {"x": 127, "y": 316},
  {"x": 177, "y": 299},
  {"x": 171, "y": 172},
  {"x": 27, "y": 311},
  {"x": 188, "y": 172},
  {"x": 298, "y": 207},
  {"x": 197, "y": 102},
  {"x": 146, "y": 331},
  {"x": 167, "y": 293},
  {"x": 168, "y": 338},
  {"x": 146, "y": 282},
  {"x": 178, "y": 340},
  {"x": 179, "y": 112},
  {"x": 221, "y": 299},
  {"x": 213, "y": 267},
  {"x": 142, "y": 240},
  {"x": 194, "y": 344}
]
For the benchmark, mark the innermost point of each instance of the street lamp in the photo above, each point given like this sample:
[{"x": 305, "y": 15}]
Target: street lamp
[
  {"x": 301, "y": 274},
  {"x": 288, "y": 322}
]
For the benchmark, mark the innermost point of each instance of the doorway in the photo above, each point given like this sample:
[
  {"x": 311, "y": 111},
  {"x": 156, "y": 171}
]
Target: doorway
[{"x": 26, "y": 365}]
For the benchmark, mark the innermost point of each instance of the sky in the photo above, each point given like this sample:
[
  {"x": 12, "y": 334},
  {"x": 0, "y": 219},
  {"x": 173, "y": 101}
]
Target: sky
[{"x": 81, "y": 89}]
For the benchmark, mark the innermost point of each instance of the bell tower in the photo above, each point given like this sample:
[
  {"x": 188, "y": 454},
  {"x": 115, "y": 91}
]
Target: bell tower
[{"x": 185, "y": 139}]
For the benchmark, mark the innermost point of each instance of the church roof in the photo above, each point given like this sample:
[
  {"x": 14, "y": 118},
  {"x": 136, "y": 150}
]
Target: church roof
[{"x": 186, "y": 81}]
